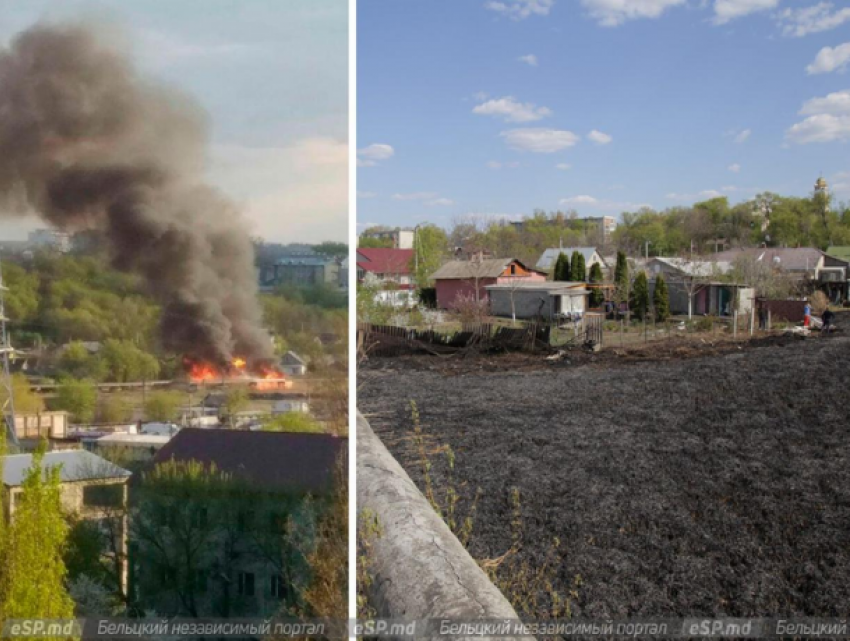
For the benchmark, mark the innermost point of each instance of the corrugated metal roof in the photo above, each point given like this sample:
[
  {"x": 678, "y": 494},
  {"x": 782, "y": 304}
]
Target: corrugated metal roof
[
  {"x": 788, "y": 258},
  {"x": 486, "y": 268},
  {"x": 842, "y": 252},
  {"x": 698, "y": 268},
  {"x": 548, "y": 257},
  {"x": 76, "y": 465}
]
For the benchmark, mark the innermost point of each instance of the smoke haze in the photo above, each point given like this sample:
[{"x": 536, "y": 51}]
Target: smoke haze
[{"x": 87, "y": 143}]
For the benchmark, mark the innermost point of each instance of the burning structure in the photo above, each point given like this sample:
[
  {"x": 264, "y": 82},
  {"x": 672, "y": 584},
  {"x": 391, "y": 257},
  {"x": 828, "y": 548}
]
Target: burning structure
[{"x": 87, "y": 143}]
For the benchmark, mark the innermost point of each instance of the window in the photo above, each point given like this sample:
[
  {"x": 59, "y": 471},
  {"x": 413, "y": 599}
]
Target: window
[
  {"x": 103, "y": 495},
  {"x": 278, "y": 587},
  {"x": 513, "y": 270},
  {"x": 245, "y": 586}
]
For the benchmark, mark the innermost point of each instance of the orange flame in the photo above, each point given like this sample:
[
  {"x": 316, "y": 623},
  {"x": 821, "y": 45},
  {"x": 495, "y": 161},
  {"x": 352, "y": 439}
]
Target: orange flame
[
  {"x": 202, "y": 372},
  {"x": 239, "y": 363}
]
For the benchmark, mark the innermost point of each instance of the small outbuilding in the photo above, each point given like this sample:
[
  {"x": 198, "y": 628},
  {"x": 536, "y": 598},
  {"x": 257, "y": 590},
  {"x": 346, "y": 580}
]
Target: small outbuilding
[{"x": 549, "y": 300}]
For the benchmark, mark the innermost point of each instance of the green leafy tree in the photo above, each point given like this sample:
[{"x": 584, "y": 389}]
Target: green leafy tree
[
  {"x": 235, "y": 401},
  {"x": 597, "y": 295},
  {"x": 332, "y": 248},
  {"x": 661, "y": 299},
  {"x": 639, "y": 302},
  {"x": 32, "y": 568},
  {"x": 78, "y": 397},
  {"x": 163, "y": 406},
  {"x": 26, "y": 401},
  {"x": 115, "y": 408},
  {"x": 621, "y": 277},
  {"x": 431, "y": 248},
  {"x": 294, "y": 422},
  {"x": 126, "y": 362}
]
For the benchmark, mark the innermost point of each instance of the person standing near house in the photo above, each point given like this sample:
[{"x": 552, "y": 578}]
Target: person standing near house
[
  {"x": 807, "y": 314},
  {"x": 827, "y": 318}
]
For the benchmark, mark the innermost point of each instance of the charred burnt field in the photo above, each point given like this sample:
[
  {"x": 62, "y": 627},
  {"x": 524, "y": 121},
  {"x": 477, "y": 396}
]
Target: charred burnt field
[{"x": 717, "y": 485}]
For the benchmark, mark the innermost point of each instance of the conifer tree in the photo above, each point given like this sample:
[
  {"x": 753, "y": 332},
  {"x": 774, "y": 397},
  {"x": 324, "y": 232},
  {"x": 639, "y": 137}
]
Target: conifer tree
[
  {"x": 661, "y": 299},
  {"x": 597, "y": 296},
  {"x": 562, "y": 268},
  {"x": 579, "y": 268},
  {"x": 639, "y": 302},
  {"x": 621, "y": 277}
]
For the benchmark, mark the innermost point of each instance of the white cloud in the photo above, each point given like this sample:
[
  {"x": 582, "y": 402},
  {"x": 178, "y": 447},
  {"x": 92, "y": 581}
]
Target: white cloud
[
  {"x": 440, "y": 202},
  {"x": 563, "y": 166},
  {"x": 814, "y": 19},
  {"x": 742, "y": 136},
  {"x": 496, "y": 164},
  {"x": 371, "y": 155},
  {"x": 828, "y": 120},
  {"x": 726, "y": 10},
  {"x": 366, "y": 194},
  {"x": 294, "y": 193},
  {"x": 734, "y": 168},
  {"x": 541, "y": 141},
  {"x": 417, "y": 195},
  {"x": 611, "y": 13},
  {"x": 820, "y": 128},
  {"x": 530, "y": 60},
  {"x": 521, "y": 9},
  {"x": 830, "y": 59},
  {"x": 511, "y": 110},
  {"x": 836, "y": 104},
  {"x": 599, "y": 138},
  {"x": 579, "y": 200}
]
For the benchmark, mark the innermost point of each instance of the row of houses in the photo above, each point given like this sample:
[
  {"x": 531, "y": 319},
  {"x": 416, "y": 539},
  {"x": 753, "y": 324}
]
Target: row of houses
[
  {"x": 697, "y": 286},
  {"x": 274, "y": 479}
]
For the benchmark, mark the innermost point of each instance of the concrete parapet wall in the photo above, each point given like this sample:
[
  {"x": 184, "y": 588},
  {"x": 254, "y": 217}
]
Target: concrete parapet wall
[{"x": 419, "y": 568}]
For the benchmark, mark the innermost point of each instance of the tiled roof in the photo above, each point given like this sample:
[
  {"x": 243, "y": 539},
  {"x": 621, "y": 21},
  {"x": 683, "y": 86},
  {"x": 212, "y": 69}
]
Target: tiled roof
[
  {"x": 463, "y": 269},
  {"x": 382, "y": 260}
]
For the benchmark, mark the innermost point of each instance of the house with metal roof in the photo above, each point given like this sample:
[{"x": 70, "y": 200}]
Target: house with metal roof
[
  {"x": 591, "y": 255},
  {"x": 549, "y": 300},
  {"x": 92, "y": 488},
  {"x": 458, "y": 280}
]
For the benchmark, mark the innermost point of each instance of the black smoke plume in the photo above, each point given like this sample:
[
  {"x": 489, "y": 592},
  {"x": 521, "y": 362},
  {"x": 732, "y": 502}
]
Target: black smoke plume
[{"x": 89, "y": 144}]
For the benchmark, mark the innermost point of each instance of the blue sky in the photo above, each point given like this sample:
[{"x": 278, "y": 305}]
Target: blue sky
[
  {"x": 498, "y": 107},
  {"x": 273, "y": 76}
]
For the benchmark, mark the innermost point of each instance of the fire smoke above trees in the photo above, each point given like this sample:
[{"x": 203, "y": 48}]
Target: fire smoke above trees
[{"x": 87, "y": 143}]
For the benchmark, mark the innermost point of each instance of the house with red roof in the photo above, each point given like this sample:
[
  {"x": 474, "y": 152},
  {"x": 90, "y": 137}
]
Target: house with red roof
[{"x": 390, "y": 271}]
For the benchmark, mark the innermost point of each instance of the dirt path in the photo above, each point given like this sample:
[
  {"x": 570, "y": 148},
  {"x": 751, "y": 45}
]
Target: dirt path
[{"x": 704, "y": 484}]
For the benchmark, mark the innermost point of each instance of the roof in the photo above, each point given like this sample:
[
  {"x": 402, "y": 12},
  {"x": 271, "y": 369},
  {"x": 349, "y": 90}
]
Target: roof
[
  {"x": 463, "y": 269},
  {"x": 134, "y": 439},
  {"x": 291, "y": 358},
  {"x": 842, "y": 252},
  {"x": 551, "y": 287},
  {"x": 788, "y": 258},
  {"x": 276, "y": 461},
  {"x": 699, "y": 268},
  {"x": 304, "y": 259},
  {"x": 383, "y": 260},
  {"x": 547, "y": 258},
  {"x": 76, "y": 465}
]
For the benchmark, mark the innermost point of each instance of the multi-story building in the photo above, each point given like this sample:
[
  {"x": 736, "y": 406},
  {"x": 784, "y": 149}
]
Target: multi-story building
[
  {"x": 305, "y": 269},
  {"x": 58, "y": 240},
  {"x": 398, "y": 237}
]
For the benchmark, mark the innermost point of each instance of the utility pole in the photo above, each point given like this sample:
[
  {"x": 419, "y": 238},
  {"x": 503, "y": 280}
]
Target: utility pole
[
  {"x": 6, "y": 377},
  {"x": 646, "y": 249}
]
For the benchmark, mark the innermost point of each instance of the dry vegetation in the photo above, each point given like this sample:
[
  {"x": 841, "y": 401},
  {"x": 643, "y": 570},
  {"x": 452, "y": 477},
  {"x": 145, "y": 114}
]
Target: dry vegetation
[{"x": 699, "y": 479}]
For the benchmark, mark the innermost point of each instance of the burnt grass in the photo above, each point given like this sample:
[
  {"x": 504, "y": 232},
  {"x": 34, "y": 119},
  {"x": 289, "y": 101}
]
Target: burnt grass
[{"x": 708, "y": 485}]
